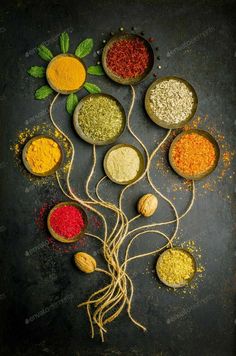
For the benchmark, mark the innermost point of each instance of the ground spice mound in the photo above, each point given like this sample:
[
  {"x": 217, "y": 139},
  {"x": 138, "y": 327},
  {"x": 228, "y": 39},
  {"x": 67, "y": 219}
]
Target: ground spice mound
[
  {"x": 193, "y": 154},
  {"x": 128, "y": 58},
  {"x": 67, "y": 221},
  {"x": 43, "y": 155},
  {"x": 66, "y": 73},
  {"x": 176, "y": 267}
]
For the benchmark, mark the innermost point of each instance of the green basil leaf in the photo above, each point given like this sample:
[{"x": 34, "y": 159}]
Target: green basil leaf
[
  {"x": 64, "y": 42},
  {"x": 92, "y": 88},
  {"x": 71, "y": 102},
  {"x": 96, "y": 70},
  {"x": 36, "y": 72},
  {"x": 84, "y": 48},
  {"x": 43, "y": 92},
  {"x": 45, "y": 53}
]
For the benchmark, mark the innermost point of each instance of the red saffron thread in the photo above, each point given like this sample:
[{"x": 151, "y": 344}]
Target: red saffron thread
[{"x": 128, "y": 58}]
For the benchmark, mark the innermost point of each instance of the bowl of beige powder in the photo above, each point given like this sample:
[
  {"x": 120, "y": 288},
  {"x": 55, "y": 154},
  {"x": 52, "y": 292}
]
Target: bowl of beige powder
[{"x": 123, "y": 164}]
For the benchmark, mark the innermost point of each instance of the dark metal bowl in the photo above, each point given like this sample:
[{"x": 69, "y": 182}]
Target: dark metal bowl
[
  {"x": 79, "y": 130},
  {"x": 204, "y": 134},
  {"x": 61, "y": 238},
  {"x": 140, "y": 172},
  {"x": 24, "y": 155},
  {"x": 66, "y": 92},
  {"x": 114, "y": 76},
  {"x": 152, "y": 115},
  {"x": 159, "y": 260}
]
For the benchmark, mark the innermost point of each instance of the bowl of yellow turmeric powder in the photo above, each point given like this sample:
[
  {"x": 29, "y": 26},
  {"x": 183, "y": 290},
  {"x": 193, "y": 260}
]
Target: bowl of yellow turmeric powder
[
  {"x": 66, "y": 73},
  {"x": 42, "y": 155}
]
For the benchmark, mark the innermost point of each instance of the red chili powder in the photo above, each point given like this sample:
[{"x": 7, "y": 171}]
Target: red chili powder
[
  {"x": 67, "y": 221},
  {"x": 128, "y": 58}
]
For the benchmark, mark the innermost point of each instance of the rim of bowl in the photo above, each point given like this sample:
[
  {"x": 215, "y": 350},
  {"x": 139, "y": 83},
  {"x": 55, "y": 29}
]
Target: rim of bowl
[
  {"x": 115, "y": 77},
  {"x": 80, "y": 131},
  {"x": 155, "y": 118}
]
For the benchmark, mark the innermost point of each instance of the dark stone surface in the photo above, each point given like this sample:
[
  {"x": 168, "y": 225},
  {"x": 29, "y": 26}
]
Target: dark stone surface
[{"x": 39, "y": 287}]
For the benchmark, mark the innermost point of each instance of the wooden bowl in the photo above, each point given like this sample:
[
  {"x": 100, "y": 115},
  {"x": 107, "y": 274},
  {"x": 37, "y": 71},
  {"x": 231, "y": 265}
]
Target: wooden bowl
[
  {"x": 140, "y": 172},
  {"x": 184, "y": 284},
  {"x": 113, "y": 76},
  {"x": 27, "y": 166},
  {"x": 155, "y": 118},
  {"x": 62, "y": 238},
  {"x": 78, "y": 128},
  {"x": 65, "y": 91},
  {"x": 204, "y": 134}
]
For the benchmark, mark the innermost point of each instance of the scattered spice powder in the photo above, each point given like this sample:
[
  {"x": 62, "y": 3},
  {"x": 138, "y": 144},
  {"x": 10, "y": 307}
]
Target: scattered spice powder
[
  {"x": 193, "y": 154},
  {"x": 128, "y": 58},
  {"x": 101, "y": 118},
  {"x": 66, "y": 73},
  {"x": 67, "y": 221},
  {"x": 43, "y": 154}
]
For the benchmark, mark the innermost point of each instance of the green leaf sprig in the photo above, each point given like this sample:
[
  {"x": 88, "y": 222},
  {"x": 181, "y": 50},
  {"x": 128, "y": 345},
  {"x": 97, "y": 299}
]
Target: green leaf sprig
[
  {"x": 84, "y": 48},
  {"x": 45, "y": 53},
  {"x": 95, "y": 70},
  {"x": 64, "y": 42},
  {"x": 43, "y": 92},
  {"x": 92, "y": 88},
  {"x": 71, "y": 102},
  {"x": 36, "y": 72}
]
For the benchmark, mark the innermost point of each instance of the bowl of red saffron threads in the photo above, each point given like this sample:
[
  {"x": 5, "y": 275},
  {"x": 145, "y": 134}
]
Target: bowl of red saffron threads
[
  {"x": 67, "y": 222},
  {"x": 127, "y": 59}
]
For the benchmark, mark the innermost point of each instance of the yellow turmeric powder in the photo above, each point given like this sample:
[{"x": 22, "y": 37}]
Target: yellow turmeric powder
[
  {"x": 66, "y": 73},
  {"x": 42, "y": 155}
]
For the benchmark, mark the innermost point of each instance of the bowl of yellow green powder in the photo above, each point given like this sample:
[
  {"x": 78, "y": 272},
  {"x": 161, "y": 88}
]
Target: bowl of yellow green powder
[
  {"x": 176, "y": 267},
  {"x": 99, "y": 119},
  {"x": 42, "y": 155},
  {"x": 123, "y": 164}
]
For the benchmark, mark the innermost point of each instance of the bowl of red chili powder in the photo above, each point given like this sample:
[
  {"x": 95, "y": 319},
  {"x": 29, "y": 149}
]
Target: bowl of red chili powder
[
  {"x": 67, "y": 222},
  {"x": 127, "y": 59}
]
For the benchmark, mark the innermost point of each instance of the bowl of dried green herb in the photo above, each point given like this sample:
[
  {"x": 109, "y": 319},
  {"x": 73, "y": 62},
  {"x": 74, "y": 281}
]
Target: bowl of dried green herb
[{"x": 99, "y": 119}]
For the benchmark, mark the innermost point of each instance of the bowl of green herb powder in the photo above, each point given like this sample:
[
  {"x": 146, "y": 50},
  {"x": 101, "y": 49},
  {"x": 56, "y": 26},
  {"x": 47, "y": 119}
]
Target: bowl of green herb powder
[{"x": 99, "y": 119}]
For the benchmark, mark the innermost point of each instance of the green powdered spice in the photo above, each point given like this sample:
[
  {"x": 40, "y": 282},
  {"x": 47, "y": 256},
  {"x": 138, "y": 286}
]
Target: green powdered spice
[{"x": 101, "y": 118}]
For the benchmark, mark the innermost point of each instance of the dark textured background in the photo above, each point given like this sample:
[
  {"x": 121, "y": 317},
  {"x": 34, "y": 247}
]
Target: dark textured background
[{"x": 33, "y": 276}]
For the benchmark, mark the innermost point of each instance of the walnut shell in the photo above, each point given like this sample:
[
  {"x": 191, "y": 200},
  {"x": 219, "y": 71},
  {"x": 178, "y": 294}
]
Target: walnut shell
[
  {"x": 85, "y": 262},
  {"x": 147, "y": 205}
]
